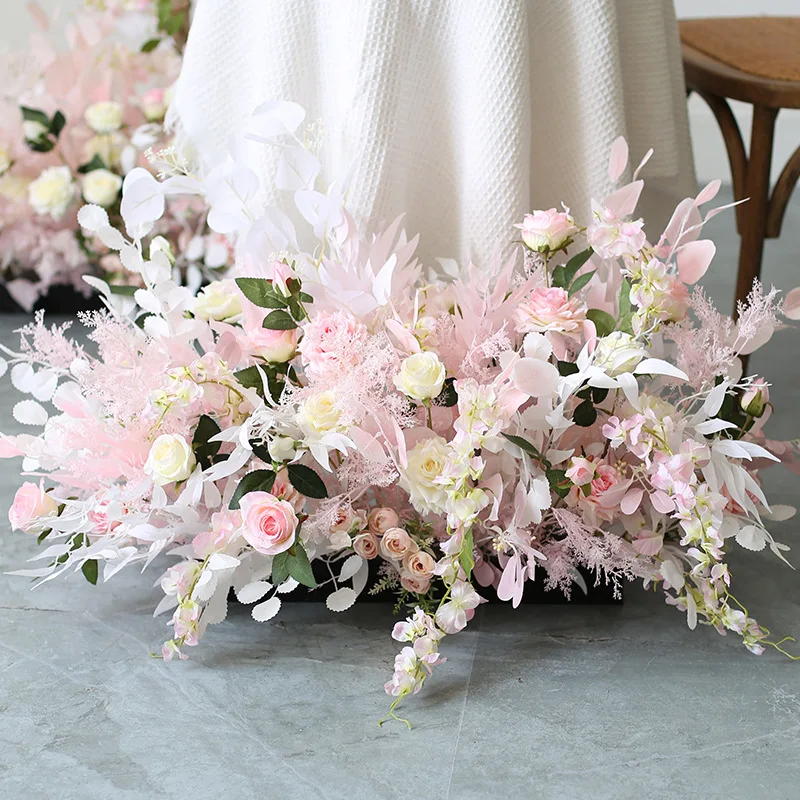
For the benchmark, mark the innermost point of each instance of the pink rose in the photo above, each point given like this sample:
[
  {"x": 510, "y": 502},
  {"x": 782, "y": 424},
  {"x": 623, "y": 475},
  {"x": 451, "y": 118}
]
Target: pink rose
[
  {"x": 269, "y": 524},
  {"x": 283, "y": 489},
  {"x": 396, "y": 544},
  {"x": 366, "y": 545},
  {"x": 419, "y": 564},
  {"x": 277, "y": 347},
  {"x": 606, "y": 491},
  {"x": 581, "y": 471},
  {"x": 331, "y": 341},
  {"x": 31, "y": 506},
  {"x": 550, "y": 310},
  {"x": 415, "y": 584},
  {"x": 547, "y": 230},
  {"x": 381, "y": 519}
]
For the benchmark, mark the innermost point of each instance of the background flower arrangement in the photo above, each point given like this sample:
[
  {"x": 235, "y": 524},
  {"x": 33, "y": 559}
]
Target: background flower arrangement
[
  {"x": 338, "y": 404},
  {"x": 75, "y": 122}
]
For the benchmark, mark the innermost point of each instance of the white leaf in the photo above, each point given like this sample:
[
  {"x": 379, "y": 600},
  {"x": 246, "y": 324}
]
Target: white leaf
[
  {"x": 92, "y": 218},
  {"x": 29, "y": 412},
  {"x": 297, "y": 169},
  {"x": 275, "y": 118},
  {"x": 727, "y": 447},
  {"x": 753, "y": 449},
  {"x": 45, "y": 385},
  {"x": 167, "y": 603},
  {"x": 341, "y": 599},
  {"x": 382, "y": 286},
  {"x": 142, "y": 199},
  {"x": 714, "y": 400},
  {"x": 289, "y": 585},
  {"x": 751, "y": 537},
  {"x": 147, "y": 301},
  {"x": 222, "y": 561},
  {"x": 3, "y": 367},
  {"x": 780, "y": 513},
  {"x": 360, "y": 578},
  {"x": 23, "y": 377},
  {"x": 253, "y": 591},
  {"x": 111, "y": 238},
  {"x": 267, "y": 610},
  {"x": 656, "y": 366},
  {"x": 535, "y": 377},
  {"x": 350, "y": 567},
  {"x": 713, "y": 426},
  {"x": 131, "y": 258}
]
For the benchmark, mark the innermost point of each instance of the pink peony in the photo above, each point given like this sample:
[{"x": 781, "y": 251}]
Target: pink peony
[
  {"x": 550, "y": 310},
  {"x": 547, "y": 230},
  {"x": 31, "y": 505},
  {"x": 269, "y": 524},
  {"x": 331, "y": 341}
]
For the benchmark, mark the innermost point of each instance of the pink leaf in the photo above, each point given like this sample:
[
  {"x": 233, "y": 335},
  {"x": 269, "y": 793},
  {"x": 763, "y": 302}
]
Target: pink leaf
[
  {"x": 708, "y": 193},
  {"x": 631, "y": 501},
  {"x": 507, "y": 588},
  {"x": 535, "y": 377},
  {"x": 694, "y": 259},
  {"x": 622, "y": 203},
  {"x": 618, "y": 159},
  {"x": 646, "y": 158},
  {"x": 662, "y": 502}
]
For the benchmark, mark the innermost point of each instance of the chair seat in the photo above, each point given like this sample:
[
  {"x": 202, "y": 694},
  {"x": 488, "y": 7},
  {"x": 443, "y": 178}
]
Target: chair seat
[
  {"x": 752, "y": 59},
  {"x": 767, "y": 47}
]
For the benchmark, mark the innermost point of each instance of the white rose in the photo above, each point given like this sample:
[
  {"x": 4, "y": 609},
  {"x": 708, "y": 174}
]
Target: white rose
[
  {"x": 617, "y": 353},
  {"x": 281, "y": 448},
  {"x": 220, "y": 300},
  {"x": 426, "y": 462},
  {"x": 171, "y": 459},
  {"x": 104, "y": 117},
  {"x": 5, "y": 159},
  {"x": 421, "y": 376},
  {"x": 14, "y": 188},
  {"x": 161, "y": 245},
  {"x": 101, "y": 187},
  {"x": 109, "y": 148},
  {"x": 318, "y": 415},
  {"x": 33, "y": 130},
  {"x": 52, "y": 192}
]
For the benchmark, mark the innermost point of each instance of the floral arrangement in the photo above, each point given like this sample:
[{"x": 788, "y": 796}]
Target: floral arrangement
[
  {"x": 75, "y": 122},
  {"x": 337, "y": 417}
]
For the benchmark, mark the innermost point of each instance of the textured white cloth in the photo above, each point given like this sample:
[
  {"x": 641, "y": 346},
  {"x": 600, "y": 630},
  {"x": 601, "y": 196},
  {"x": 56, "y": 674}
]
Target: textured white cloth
[{"x": 463, "y": 114}]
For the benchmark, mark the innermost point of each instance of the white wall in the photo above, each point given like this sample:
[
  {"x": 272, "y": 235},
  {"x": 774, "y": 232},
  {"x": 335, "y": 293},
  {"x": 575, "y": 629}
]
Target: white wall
[{"x": 709, "y": 150}]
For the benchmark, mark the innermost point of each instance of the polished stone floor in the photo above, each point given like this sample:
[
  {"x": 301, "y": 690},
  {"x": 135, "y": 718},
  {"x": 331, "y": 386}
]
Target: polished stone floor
[{"x": 546, "y": 702}]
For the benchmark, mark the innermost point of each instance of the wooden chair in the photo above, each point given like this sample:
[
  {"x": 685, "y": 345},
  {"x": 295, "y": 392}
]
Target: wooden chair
[{"x": 755, "y": 60}]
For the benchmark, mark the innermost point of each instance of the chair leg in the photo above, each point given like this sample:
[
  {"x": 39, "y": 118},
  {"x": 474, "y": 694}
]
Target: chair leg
[{"x": 754, "y": 223}]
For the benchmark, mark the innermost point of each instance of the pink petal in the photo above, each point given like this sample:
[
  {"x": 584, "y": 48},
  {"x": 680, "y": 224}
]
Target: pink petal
[
  {"x": 631, "y": 501},
  {"x": 791, "y": 305},
  {"x": 507, "y": 588},
  {"x": 648, "y": 545},
  {"x": 694, "y": 259},
  {"x": 618, "y": 159}
]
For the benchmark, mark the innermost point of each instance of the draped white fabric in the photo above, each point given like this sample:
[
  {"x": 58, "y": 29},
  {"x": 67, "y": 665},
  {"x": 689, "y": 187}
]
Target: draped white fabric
[{"x": 462, "y": 113}]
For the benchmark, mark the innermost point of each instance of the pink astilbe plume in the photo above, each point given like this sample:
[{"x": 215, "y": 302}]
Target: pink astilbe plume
[{"x": 48, "y": 346}]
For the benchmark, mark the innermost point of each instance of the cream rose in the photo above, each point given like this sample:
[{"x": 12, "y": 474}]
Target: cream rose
[
  {"x": 282, "y": 448},
  {"x": 31, "y": 507},
  {"x": 101, "y": 187},
  {"x": 426, "y": 462},
  {"x": 421, "y": 376},
  {"x": 396, "y": 544},
  {"x": 547, "y": 230},
  {"x": 33, "y": 130},
  {"x": 5, "y": 159},
  {"x": 419, "y": 564},
  {"x": 220, "y": 300},
  {"x": 618, "y": 353},
  {"x": 52, "y": 192},
  {"x": 381, "y": 519},
  {"x": 319, "y": 414},
  {"x": 109, "y": 148},
  {"x": 366, "y": 545},
  {"x": 153, "y": 105},
  {"x": 104, "y": 117},
  {"x": 268, "y": 524},
  {"x": 171, "y": 459}
]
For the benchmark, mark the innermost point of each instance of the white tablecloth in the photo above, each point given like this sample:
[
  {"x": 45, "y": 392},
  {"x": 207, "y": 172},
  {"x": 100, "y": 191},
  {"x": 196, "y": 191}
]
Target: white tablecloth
[{"x": 462, "y": 113}]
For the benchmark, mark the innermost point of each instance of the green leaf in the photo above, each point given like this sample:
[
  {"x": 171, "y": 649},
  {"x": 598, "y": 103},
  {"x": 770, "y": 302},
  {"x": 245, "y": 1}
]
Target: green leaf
[
  {"x": 127, "y": 291},
  {"x": 296, "y": 308},
  {"x": 525, "y": 445},
  {"x": 57, "y": 124},
  {"x": 300, "y": 567},
  {"x": 307, "y": 482},
  {"x": 279, "y": 321},
  {"x": 603, "y": 321},
  {"x": 140, "y": 320},
  {"x": 580, "y": 282},
  {"x": 260, "y": 292},
  {"x": 89, "y": 570},
  {"x": 567, "y": 368},
  {"x": 563, "y": 276},
  {"x": 280, "y": 568},
  {"x": 261, "y": 452},
  {"x": 465, "y": 558},
  {"x": 43, "y": 145},
  {"x": 448, "y": 397},
  {"x": 205, "y": 450},
  {"x": 260, "y": 480},
  {"x": 90, "y": 166},
  {"x": 304, "y": 297},
  {"x": 624, "y": 298},
  {"x": 250, "y": 378},
  {"x": 35, "y": 115},
  {"x": 557, "y": 478},
  {"x": 585, "y": 414},
  {"x": 150, "y": 45},
  {"x": 598, "y": 394},
  {"x": 43, "y": 535}
]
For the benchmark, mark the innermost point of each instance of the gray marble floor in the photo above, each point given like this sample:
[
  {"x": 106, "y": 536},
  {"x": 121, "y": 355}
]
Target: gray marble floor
[{"x": 545, "y": 702}]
